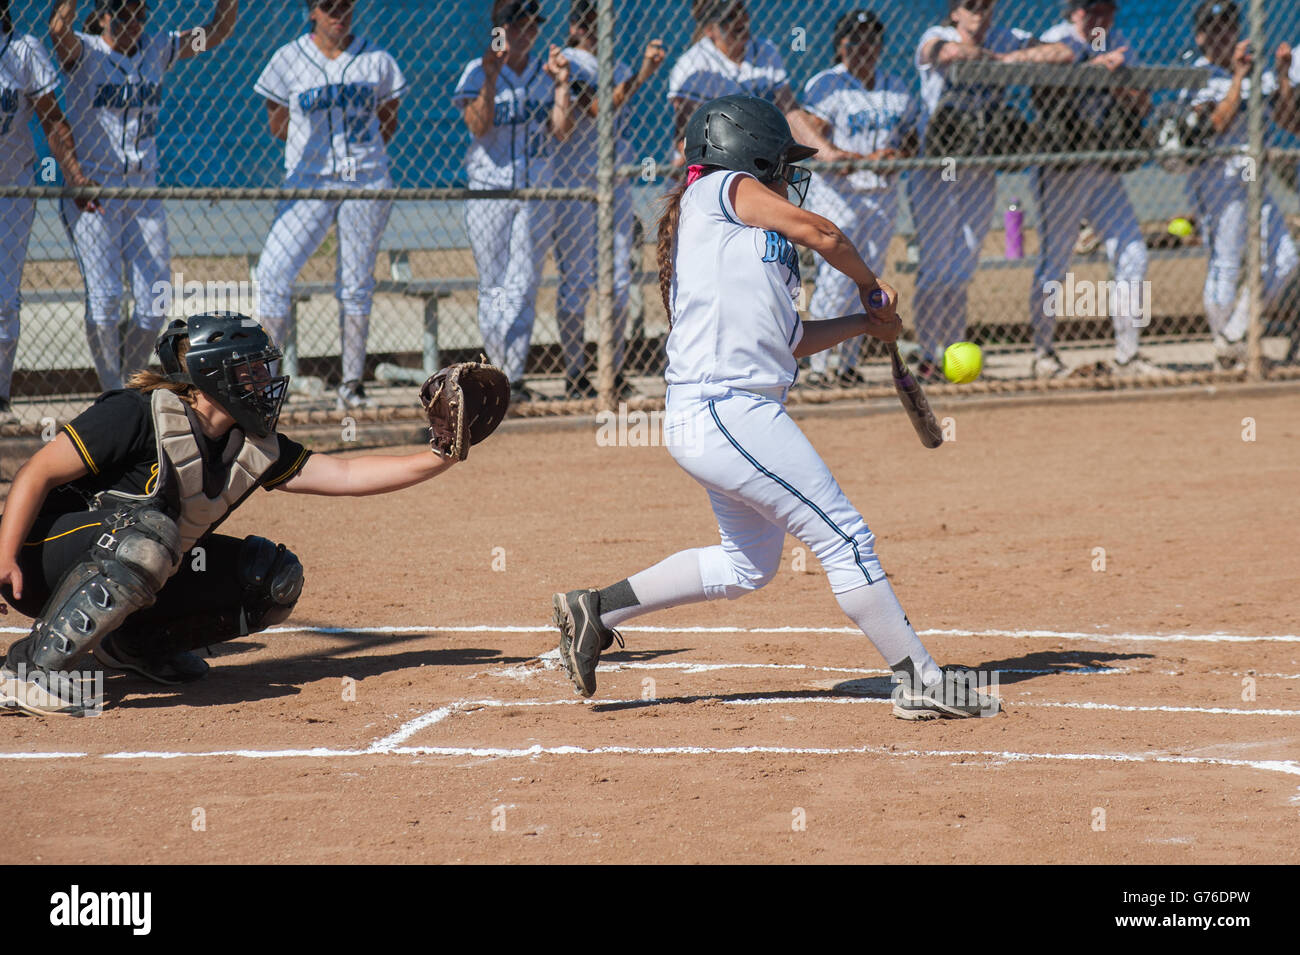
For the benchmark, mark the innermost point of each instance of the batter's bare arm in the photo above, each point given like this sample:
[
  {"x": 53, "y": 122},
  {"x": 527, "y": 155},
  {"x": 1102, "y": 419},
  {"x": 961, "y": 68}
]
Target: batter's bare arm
[{"x": 365, "y": 475}]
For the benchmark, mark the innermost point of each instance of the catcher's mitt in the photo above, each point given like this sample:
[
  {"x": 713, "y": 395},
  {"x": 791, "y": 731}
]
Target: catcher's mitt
[{"x": 464, "y": 402}]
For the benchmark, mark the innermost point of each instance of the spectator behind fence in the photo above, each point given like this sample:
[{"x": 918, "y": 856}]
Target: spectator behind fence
[
  {"x": 1066, "y": 194},
  {"x": 861, "y": 109},
  {"x": 333, "y": 97},
  {"x": 28, "y": 85},
  {"x": 953, "y": 213},
  {"x": 575, "y": 220},
  {"x": 1217, "y": 187},
  {"x": 727, "y": 60},
  {"x": 514, "y": 104},
  {"x": 113, "y": 74}
]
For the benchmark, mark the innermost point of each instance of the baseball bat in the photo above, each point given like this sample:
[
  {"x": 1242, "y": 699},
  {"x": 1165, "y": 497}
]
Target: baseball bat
[{"x": 910, "y": 392}]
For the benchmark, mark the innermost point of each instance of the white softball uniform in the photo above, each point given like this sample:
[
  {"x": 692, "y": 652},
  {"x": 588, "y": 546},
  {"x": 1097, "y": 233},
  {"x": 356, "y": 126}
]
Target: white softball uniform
[
  {"x": 704, "y": 72},
  {"x": 574, "y": 164},
  {"x": 509, "y": 237},
  {"x": 113, "y": 107},
  {"x": 1064, "y": 195},
  {"x": 334, "y": 141},
  {"x": 1217, "y": 188},
  {"x": 952, "y": 217},
  {"x": 26, "y": 74},
  {"x": 864, "y": 204}
]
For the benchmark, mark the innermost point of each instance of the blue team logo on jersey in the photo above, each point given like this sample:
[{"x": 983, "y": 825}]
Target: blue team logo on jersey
[
  {"x": 782, "y": 250},
  {"x": 358, "y": 96},
  {"x": 870, "y": 121},
  {"x": 127, "y": 95}
]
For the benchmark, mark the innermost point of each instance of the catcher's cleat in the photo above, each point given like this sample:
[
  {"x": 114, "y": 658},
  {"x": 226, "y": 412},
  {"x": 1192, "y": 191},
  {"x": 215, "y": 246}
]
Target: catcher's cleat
[
  {"x": 582, "y": 636},
  {"x": 41, "y": 692},
  {"x": 957, "y": 695},
  {"x": 169, "y": 669}
]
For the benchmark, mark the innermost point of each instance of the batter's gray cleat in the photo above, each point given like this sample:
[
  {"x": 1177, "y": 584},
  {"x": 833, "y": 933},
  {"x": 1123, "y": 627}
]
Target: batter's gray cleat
[
  {"x": 169, "y": 669},
  {"x": 959, "y": 695},
  {"x": 582, "y": 636}
]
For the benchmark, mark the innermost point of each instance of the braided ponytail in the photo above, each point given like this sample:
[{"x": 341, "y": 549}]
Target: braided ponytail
[{"x": 667, "y": 249}]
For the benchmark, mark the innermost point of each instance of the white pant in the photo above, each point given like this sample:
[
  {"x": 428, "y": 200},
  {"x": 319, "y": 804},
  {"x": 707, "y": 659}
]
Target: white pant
[
  {"x": 130, "y": 231},
  {"x": 16, "y": 217},
  {"x": 509, "y": 238},
  {"x": 299, "y": 228},
  {"x": 867, "y": 219},
  {"x": 1064, "y": 197},
  {"x": 1224, "y": 216},
  {"x": 764, "y": 480},
  {"x": 952, "y": 219},
  {"x": 575, "y": 261}
]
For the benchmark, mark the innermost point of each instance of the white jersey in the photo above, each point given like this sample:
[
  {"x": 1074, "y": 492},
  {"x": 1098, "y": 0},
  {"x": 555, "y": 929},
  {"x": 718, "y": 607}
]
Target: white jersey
[
  {"x": 704, "y": 72},
  {"x": 333, "y": 107},
  {"x": 733, "y": 294},
  {"x": 1092, "y": 106},
  {"x": 862, "y": 120},
  {"x": 114, "y": 102},
  {"x": 575, "y": 158},
  {"x": 26, "y": 73},
  {"x": 934, "y": 79},
  {"x": 516, "y": 152},
  {"x": 1224, "y": 173}
]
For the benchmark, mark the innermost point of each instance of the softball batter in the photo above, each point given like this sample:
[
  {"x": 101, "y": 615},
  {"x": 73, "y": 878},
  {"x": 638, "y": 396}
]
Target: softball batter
[
  {"x": 28, "y": 86},
  {"x": 113, "y": 76},
  {"x": 515, "y": 106},
  {"x": 333, "y": 97},
  {"x": 732, "y": 357},
  {"x": 865, "y": 110},
  {"x": 1217, "y": 187},
  {"x": 575, "y": 221},
  {"x": 953, "y": 216},
  {"x": 1067, "y": 194},
  {"x": 97, "y": 539}
]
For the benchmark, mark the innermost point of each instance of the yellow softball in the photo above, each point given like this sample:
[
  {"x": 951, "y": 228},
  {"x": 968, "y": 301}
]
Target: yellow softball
[
  {"x": 1181, "y": 227},
  {"x": 962, "y": 362}
]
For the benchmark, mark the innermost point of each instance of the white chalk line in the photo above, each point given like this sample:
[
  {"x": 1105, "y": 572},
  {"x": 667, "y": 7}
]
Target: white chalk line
[
  {"x": 551, "y": 661},
  {"x": 847, "y": 631}
]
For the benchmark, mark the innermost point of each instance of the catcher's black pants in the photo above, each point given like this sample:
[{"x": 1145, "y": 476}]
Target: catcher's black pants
[{"x": 206, "y": 588}]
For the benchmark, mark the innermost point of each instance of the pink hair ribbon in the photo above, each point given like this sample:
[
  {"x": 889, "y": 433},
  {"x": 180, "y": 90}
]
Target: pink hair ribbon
[{"x": 693, "y": 173}]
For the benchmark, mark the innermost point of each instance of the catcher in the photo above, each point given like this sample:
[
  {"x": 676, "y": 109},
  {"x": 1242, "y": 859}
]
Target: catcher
[{"x": 108, "y": 535}]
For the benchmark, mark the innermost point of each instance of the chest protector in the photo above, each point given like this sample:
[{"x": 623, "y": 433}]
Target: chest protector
[{"x": 180, "y": 457}]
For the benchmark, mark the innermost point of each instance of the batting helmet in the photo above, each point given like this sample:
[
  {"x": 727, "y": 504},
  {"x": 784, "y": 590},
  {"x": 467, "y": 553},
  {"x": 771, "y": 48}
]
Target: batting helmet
[
  {"x": 750, "y": 135},
  {"x": 228, "y": 359}
]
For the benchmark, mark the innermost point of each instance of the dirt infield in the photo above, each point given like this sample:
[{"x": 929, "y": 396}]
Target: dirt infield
[{"x": 413, "y": 711}]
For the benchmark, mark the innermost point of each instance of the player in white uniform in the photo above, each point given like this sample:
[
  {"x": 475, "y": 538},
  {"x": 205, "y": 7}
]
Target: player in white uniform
[
  {"x": 515, "y": 105},
  {"x": 726, "y": 60},
  {"x": 333, "y": 97},
  {"x": 574, "y": 164},
  {"x": 728, "y": 238},
  {"x": 1066, "y": 194},
  {"x": 28, "y": 86},
  {"x": 113, "y": 75},
  {"x": 953, "y": 217},
  {"x": 861, "y": 109},
  {"x": 1217, "y": 187}
]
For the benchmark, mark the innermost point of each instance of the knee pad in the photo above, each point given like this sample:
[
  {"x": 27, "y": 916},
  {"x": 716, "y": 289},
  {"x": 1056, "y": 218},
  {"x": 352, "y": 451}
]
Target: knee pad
[
  {"x": 272, "y": 579},
  {"x": 127, "y": 567}
]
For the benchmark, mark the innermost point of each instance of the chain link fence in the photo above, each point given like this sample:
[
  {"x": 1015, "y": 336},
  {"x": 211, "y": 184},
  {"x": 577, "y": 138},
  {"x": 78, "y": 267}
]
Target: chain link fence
[{"x": 1074, "y": 186}]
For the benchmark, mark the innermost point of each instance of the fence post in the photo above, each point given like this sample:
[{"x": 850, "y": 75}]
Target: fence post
[
  {"x": 605, "y": 205},
  {"x": 1255, "y": 194}
]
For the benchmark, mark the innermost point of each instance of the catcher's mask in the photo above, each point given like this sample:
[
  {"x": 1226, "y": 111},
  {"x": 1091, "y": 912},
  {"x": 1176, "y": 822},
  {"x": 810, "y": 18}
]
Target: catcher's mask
[
  {"x": 750, "y": 135},
  {"x": 229, "y": 360}
]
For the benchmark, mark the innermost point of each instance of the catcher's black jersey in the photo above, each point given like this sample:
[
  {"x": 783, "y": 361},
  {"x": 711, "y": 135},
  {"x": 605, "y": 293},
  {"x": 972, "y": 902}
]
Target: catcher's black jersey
[{"x": 116, "y": 441}]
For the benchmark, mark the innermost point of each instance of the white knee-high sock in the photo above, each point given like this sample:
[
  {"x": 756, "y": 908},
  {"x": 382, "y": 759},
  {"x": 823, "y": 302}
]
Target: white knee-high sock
[
  {"x": 672, "y": 582},
  {"x": 876, "y": 610}
]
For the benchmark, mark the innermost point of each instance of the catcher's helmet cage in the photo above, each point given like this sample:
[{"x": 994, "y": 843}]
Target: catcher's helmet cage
[
  {"x": 229, "y": 360},
  {"x": 750, "y": 135}
]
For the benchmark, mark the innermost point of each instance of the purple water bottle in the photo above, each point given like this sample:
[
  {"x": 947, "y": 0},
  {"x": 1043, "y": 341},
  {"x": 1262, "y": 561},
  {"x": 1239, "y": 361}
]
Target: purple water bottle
[{"x": 1013, "y": 221}]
